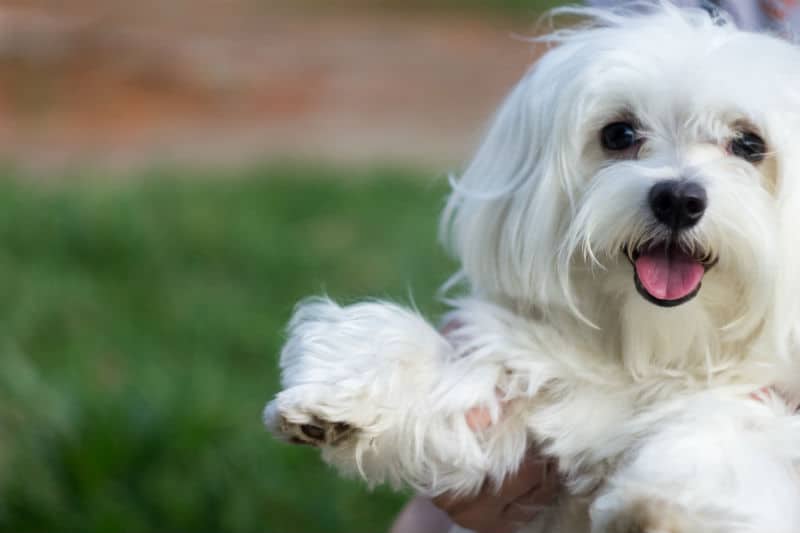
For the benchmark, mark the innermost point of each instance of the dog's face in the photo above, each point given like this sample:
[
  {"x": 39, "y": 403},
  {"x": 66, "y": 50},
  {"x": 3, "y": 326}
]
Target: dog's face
[{"x": 647, "y": 160}]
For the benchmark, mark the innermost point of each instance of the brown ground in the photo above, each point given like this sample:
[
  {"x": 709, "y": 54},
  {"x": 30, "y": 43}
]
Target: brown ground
[{"x": 221, "y": 81}]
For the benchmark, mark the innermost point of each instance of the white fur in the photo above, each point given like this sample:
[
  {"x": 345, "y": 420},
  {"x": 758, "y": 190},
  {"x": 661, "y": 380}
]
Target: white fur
[{"x": 647, "y": 409}]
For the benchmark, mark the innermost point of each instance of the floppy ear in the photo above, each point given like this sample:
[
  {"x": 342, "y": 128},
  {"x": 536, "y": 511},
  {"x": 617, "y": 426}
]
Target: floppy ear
[
  {"x": 505, "y": 216},
  {"x": 784, "y": 316}
]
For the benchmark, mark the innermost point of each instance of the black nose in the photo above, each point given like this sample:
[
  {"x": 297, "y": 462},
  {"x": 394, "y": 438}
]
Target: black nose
[{"x": 678, "y": 204}]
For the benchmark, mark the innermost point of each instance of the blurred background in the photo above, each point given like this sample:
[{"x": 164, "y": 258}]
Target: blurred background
[{"x": 176, "y": 174}]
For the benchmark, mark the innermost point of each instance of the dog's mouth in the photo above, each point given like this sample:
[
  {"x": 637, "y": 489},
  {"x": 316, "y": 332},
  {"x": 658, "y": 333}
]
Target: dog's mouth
[{"x": 667, "y": 274}]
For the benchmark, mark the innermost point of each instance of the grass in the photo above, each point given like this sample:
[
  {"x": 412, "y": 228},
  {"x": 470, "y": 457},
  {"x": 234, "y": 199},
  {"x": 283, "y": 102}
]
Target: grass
[{"x": 139, "y": 327}]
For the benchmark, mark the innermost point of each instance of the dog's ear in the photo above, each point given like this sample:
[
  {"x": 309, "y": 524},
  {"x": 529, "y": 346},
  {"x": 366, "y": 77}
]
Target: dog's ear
[
  {"x": 784, "y": 317},
  {"x": 506, "y": 214}
]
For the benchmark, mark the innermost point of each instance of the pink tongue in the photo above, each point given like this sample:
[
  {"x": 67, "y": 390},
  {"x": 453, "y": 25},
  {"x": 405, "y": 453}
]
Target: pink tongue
[{"x": 668, "y": 274}]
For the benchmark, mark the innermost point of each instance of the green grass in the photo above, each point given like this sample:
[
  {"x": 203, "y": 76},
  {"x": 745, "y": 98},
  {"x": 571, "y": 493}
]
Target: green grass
[{"x": 139, "y": 329}]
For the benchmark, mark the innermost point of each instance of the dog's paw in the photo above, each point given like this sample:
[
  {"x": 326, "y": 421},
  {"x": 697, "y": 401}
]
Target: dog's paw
[
  {"x": 300, "y": 426},
  {"x": 648, "y": 517},
  {"x": 317, "y": 432},
  {"x": 358, "y": 382},
  {"x": 657, "y": 515},
  {"x": 362, "y": 366}
]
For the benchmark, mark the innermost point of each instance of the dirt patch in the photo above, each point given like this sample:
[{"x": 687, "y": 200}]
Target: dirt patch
[{"x": 92, "y": 85}]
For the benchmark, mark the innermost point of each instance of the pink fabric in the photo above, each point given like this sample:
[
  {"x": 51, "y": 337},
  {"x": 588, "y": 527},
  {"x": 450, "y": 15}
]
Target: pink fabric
[{"x": 772, "y": 15}]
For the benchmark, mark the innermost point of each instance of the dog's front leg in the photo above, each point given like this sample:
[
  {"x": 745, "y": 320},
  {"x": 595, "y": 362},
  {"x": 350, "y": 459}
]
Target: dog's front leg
[{"x": 381, "y": 392}]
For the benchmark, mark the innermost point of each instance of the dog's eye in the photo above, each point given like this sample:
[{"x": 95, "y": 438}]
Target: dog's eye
[
  {"x": 749, "y": 147},
  {"x": 618, "y": 136}
]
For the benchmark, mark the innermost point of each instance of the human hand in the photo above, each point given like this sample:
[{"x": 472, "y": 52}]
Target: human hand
[{"x": 516, "y": 503}]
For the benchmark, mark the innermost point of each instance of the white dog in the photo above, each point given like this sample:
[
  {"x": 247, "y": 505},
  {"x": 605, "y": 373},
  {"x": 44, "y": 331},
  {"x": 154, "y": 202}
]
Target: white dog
[{"x": 628, "y": 232}]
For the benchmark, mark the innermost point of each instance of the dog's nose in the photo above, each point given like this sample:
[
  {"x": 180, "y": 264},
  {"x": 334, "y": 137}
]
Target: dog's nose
[{"x": 678, "y": 204}]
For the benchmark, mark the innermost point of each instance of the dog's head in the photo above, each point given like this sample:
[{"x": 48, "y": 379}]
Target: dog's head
[{"x": 648, "y": 159}]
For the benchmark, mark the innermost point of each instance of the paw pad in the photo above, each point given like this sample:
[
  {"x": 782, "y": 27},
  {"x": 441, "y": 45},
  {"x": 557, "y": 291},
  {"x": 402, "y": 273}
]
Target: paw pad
[{"x": 317, "y": 433}]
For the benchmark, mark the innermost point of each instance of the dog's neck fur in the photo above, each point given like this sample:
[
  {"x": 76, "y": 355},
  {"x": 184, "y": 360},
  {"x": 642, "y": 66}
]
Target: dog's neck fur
[
  {"x": 689, "y": 343},
  {"x": 693, "y": 344}
]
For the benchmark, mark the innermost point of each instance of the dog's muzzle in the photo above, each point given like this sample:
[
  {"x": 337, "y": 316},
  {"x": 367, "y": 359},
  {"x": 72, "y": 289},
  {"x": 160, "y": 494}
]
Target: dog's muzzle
[{"x": 666, "y": 273}]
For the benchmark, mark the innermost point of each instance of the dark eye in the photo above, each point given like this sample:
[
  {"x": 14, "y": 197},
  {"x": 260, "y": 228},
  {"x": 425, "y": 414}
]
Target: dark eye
[
  {"x": 749, "y": 147},
  {"x": 618, "y": 136}
]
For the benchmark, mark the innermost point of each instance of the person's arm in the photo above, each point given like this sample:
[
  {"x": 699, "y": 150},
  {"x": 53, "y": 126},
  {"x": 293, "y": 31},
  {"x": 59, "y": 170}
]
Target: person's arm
[{"x": 420, "y": 515}]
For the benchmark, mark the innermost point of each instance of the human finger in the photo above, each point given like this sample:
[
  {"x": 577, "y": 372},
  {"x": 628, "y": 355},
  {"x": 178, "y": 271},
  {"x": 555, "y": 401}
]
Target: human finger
[
  {"x": 518, "y": 512},
  {"x": 545, "y": 492},
  {"x": 531, "y": 476},
  {"x": 485, "y": 502}
]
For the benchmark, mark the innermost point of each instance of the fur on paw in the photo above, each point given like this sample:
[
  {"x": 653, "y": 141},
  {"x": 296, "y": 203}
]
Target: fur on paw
[
  {"x": 316, "y": 432},
  {"x": 658, "y": 516}
]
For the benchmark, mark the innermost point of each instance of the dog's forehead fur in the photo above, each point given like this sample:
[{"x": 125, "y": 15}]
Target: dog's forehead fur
[{"x": 675, "y": 70}]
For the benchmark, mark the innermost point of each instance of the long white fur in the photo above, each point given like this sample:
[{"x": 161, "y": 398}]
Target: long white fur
[{"x": 647, "y": 409}]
